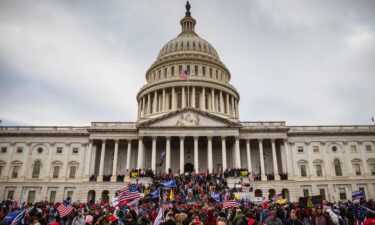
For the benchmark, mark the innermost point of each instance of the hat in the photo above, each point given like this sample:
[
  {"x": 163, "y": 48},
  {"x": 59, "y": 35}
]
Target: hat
[
  {"x": 89, "y": 219},
  {"x": 54, "y": 223},
  {"x": 112, "y": 218}
]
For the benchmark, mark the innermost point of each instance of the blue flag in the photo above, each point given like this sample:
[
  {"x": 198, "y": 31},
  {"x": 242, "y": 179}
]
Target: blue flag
[
  {"x": 169, "y": 184},
  {"x": 358, "y": 194},
  {"x": 15, "y": 218},
  {"x": 155, "y": 194},
  {"x": 215, "y": 197}
]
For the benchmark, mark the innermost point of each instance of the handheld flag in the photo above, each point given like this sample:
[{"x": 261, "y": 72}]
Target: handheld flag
[
  {"x": 159, "y": 217},
  {"x": 215, "y": 196},
  {"x": 15, "y": 218},
  {"x": 126, "y": 195},
  {"x": 230, "y": 203},
  {"x": 171, "y": 196},
  {"x": 358, "y": 194},
  {"x": 169, "y": 184},
  {"x": 155, "y": 194},
  {"x": 64, "y": 208}
]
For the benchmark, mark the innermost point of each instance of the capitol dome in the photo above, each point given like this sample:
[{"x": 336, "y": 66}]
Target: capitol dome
[{"x": 205, "y": 87}]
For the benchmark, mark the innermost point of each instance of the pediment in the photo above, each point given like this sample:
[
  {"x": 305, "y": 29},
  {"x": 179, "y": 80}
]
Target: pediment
[{"x": 189, "y": 118}]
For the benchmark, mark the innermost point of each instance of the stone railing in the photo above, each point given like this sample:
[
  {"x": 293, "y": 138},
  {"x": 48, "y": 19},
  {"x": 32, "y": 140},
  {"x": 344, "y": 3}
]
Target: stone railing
[
  {"x": 333, "y": 129},
  {"x": 42, "y": 129},
  {"x": 113, "y": 125},
  {"x": 260, "y": 124}
]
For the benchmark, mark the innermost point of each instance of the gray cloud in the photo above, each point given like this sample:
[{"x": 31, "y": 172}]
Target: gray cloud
[{"x": 69, "y": 63}]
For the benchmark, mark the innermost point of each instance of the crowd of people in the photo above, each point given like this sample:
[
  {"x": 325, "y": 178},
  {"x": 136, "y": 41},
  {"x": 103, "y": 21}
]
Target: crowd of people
[{"x": 189, "y": 200}]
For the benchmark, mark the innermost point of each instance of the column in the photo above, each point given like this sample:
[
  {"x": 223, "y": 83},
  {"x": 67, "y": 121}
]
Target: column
[
  {"x": 289, "y": 162},
  {"x": 183, "y": 100},
  {"x": 115, "y": 159},
  {"x": 140, "y": 153},
  {"x": 248, "y": 154},
  {"x": 143, "y": 106},
  {"x": 153, "y": 154},
  {"x": 237, "y": 153},
  {"x": 173, "y": 99},
  {"x": 196, "y": 154},
  {"x": 224, "y": 152},
  {"x": 101, "y": 165},
  {"x": 163, "y": 106},
  {"x": 148, "y": 103},
  {"x": 182, "y": 154},
  {"x": 88, "y": 161},
  {"x": 212, "y": 99},
  {"x": 193, "y": 97},
  {"x": 362, "y": 151},
  {"x": 274, "y": 159},
  {"x": 203, "y": 98},
  {"x": 209, "y": 153},
  {"x": 237, "y": 112},
  {"x": 221, "y": 102},
  {"x": 167, "y": 154},
  {"x": 232, "y": 105},
  {"x": 263, "y": 172},
  {"x": 129, "y": 153},
  {"x": 227, "y": 101},
  {"x": 155, "y": 105}
]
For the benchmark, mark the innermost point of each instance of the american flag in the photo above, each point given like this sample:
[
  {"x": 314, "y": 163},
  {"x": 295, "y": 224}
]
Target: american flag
[
  {"x": 126, "y": 195},
  {"x": 159, "y": 217},
  {"x": 64, "y": 208},
  {"x": 230, "y": 203},
  {"x": 184, "y": 74}
]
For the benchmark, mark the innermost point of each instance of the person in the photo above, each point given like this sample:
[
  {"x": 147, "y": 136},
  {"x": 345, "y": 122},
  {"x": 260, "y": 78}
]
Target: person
[
  {"x": 273, "y": 220},
  {"x": 370, "y": 218},
  {"x": 320, "y": 218},
  {"x": 129, "y": 220},
  {"x": 221, "y": 221},
  {"x": 79, "y": 219},
  {"x": 252, "y": 220},
  {"x": 293, "y": 220}
]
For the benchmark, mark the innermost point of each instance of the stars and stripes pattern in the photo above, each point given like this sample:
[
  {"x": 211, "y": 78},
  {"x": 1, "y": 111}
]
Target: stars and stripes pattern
[
  {"x": 64, "y": 208},
  {"x": 184, "y": 74},
  {"x": 125, "y": 195},
  {"x": 230, "y": 203}
]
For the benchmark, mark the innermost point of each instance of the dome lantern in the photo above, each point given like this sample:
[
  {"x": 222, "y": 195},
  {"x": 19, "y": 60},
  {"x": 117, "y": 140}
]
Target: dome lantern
[{"x": 188, "y": 22}]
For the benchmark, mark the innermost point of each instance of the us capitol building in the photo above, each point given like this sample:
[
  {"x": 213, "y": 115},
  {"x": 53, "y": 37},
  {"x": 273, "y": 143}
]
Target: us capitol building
[{"x": 195, "y": 123}]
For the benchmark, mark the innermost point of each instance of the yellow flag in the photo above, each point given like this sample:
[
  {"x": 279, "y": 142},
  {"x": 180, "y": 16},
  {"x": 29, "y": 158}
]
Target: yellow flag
[
  {"x": 235, "y": 196},
  {"x": 171, "y": 197},
  {"x": 281, "y": 201}
]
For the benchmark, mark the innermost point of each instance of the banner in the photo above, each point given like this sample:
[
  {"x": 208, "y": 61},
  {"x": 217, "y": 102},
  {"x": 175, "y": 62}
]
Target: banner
[
  {"x": 358, "y": 194},
  {"x": 134, "y": 174},
  {"x": 244, "y": 173},
  {"x": 168, "y": 184},
  {"x": 215, "y": 197},
  {"x": 310, "y": 201}
]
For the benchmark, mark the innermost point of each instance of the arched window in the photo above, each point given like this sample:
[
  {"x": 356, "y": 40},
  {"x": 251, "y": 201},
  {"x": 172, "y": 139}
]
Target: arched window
[
  {"x": 337, "y": 167},
  {"x": 196, "y": 70},
  {"x": 204, "y": 71},
  {"x": 188, "y": 69},
  {"x": 258, "y": 193},
  {"x": 172, "y": 71},
  {"x": 36, "y": 169}
]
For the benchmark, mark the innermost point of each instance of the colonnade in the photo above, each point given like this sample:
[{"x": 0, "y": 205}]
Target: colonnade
[
  {"x": 237, "y": 155},
  {"x": 205, "y": 99}
]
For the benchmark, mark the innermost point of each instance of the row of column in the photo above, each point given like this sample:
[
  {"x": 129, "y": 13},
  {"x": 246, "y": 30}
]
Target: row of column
[
  {"x": 219, "y": 102},
  {"x": 237, "y": 157}
]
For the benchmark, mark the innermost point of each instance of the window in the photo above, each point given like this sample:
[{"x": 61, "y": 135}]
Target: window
[
  {"x": 52, "y": 196},
  {"x": 19, "y": 150},
  {"x": 300, "y": 149},
  {"x": 303, "y": 171},
  {"x": 353, "y": 148},
  {"x": 322, "y": 193},
  {"x": 334, "y": 148},
  {"x": 211, "y": 72},
  {"x": 319, "y": 172},
  {"x": 75, "y": 150},
  {"x": 305, "y": 193},
  {"x": 3, "y": 149},
  {"x": 36, "y": 169},
  {"x": 315, "y": 149},
  {"x": 204, "y": 71},
  {"x": 72, "y": 173},
  {"x": 15, "y": 171},
  {"x": 59, "y": 150},
  {"x": 69, "y": 195},
  {"x": 172, "y": 71},
  {"x": 372, "y": 168},
  {"x": 56, "y": 171},
  {"x": 188, "y": 69},
  {"x": 357, "y": 169},
  {"x": 10, "y": 194},
  {"x": 338, "y": 170},
  {"x": 196, "y": 70},
  {"x": 165, "y": 72},
  {"x": 368, "y": 148},
  {"x": 31, "y": 197},
  {"x": 40, "y": 150},
  {"x": 342, "y": 193},
  {"x": 1, "y": 169}
]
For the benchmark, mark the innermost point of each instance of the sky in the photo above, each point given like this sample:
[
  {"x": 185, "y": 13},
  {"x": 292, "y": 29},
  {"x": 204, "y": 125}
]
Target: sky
[{"x": 68, "y": 63}]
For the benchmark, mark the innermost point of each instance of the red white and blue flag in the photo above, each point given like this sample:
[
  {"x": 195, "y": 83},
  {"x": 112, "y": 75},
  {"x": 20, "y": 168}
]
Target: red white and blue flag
[
  {"x": 184, "y": 74},
  {"x": 126, "y": 195},
  {"x": 230, "y": 203},
  {"x": 159, "y": 217},
  {"x": 64, "y": 208}
]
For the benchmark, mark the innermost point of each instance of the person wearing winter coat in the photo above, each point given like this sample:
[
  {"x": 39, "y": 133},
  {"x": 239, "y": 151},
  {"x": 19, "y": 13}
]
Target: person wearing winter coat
[
  {"x": 79, "y": 219},
  {"x": 273, "y": 220},
  {"x": 293, "y": 220}
]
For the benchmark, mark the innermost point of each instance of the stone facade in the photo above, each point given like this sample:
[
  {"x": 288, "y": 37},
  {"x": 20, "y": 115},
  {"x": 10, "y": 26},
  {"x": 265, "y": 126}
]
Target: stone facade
[{"x": 192, "y": 121}]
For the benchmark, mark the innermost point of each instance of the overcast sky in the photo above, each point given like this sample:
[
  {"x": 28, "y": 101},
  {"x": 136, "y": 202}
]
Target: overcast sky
[{"x": 73, "y": 62}]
